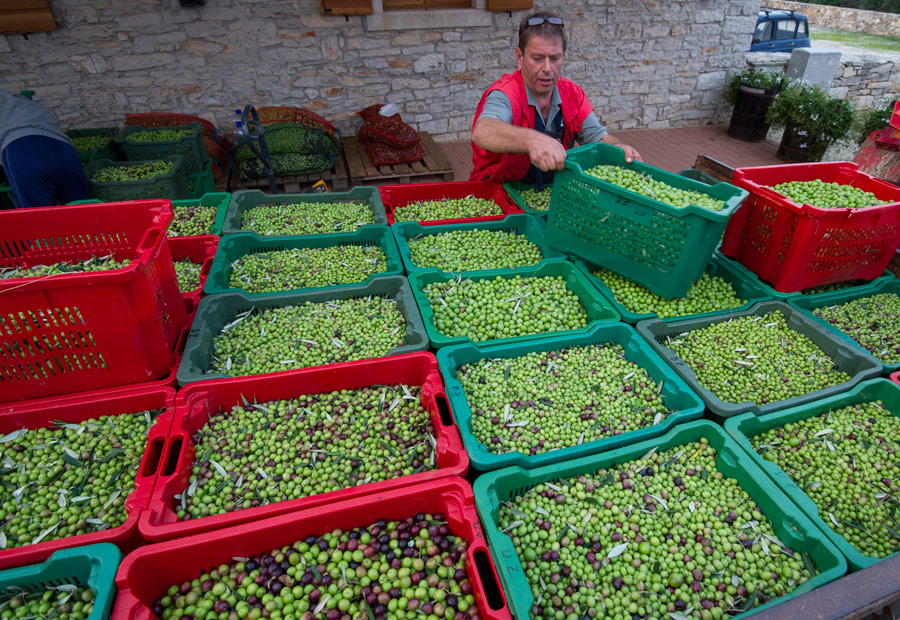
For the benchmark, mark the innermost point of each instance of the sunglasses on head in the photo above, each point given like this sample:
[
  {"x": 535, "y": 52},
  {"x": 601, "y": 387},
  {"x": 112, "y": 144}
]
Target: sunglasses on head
[{"x": 537, "y": 21}]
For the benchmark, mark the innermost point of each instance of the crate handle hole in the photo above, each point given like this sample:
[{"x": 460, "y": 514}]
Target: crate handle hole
[
  {"x": 172, "y": 461},
  {"x": 444, "y": 410},
  {"x": 492, "y": 593},
  {"x": 154, "y": 452}
]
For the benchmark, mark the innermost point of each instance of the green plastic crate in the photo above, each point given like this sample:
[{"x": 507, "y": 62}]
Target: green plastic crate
[
  {"x": 663, "y": 248},
  {"x": 790, "y": 524},
  {"x": 749, "y": 276},
  {"x": 233, "y": 247},
  {"x": 106, "y": 151},
  {"x": 202, "y": 182},
  {"x": 191, "y": 147},
  {"x": 809, "y": 303},
  {"x": 216, "y": 311},
  {"x": 598, "y": 309},
  {"x": 745, "y": 426},
  {"x": 220, "y": 200},
  {"x": 514, "y": 190},
  {"x": 746, "y": 290},
  {"x": 521, "y": 224},
  {"x": 6, "y": 197},
  {"x": 847, "y": 358},
  {"x": 247, "y": 199},
  {"x": 677, "y": 395},
  {"x": 92, "y": 565},
  {"x": 172, "y": 185}
]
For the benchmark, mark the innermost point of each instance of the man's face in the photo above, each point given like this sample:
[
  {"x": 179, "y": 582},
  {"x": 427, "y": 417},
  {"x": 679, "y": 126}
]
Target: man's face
[{"x": 540, "y": 64}]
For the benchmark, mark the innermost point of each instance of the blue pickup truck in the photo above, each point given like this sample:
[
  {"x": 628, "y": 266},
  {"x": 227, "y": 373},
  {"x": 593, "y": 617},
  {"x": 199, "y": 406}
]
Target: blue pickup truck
[{"x": 780, "y": 31}]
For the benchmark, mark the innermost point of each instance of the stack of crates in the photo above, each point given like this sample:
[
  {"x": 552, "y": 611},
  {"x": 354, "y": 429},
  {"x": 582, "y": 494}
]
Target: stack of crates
[{"x": 566, "y": 431}]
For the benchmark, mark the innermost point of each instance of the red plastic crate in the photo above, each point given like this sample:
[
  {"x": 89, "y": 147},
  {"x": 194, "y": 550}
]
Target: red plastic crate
[
  {"x": 200, "y": 249},
  {"x": 146, "y": 574},
  {"x": 794, "y": 247},
  {"x": 394, "y": 196},
  {"x": 896, "y": 377},
  {"x": 198, "y": 400},
  {"x": 85, "y": 331},
  {"x": 75, "y": 409}
]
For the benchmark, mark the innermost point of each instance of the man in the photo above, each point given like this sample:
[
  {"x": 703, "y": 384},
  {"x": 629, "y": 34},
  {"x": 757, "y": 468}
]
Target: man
[
  {"x": 526, "y": 120},
  {"x": 41, "y": 165}
]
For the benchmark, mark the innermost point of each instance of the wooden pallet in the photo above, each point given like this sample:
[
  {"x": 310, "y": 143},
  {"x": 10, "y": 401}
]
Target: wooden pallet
[
  {"x": 432, "y": 167},
  {"x": 336, "y": 178}
]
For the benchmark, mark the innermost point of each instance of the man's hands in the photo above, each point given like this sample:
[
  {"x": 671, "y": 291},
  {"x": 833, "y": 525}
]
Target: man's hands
[
  {"x": 545, "y": 152},
  {"x": 630, "y": 154}
]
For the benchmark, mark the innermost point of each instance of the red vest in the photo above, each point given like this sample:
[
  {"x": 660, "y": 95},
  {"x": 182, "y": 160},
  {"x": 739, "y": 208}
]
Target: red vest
[{"x": 501, "y": 167}]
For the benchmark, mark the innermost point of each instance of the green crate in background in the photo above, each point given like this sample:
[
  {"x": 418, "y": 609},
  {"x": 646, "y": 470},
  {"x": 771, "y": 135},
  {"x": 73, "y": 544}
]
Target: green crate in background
[
  {"x": 663, "y": 248},
  {"x": 244, "y": 200},
  {"x": 203, "y": 182},
  {"x": 746, "y": 426},
  {"x": 172, "y": 185},
  {"x": 220, "y": 200},
  {"x": 748, "y": 291},
  {"x": 519, "y": 224},
  {"x": 92, "y": 565},
  {"x": 233, "y": 247},
  {"x": 598, "y": 309},
  {"x": 749, "y": 276},
  {"x": 677, "y": 395},
  {"x": 6, "y": 197},
  {"x": 191, "y": 147},
  {"x": 107, "y": 151},
  {"x": 847, "y": 358},
  {"x": 514, "y": 190},
  {"x": 808, "y": 303},
  {"x": 216, "y": 311},
  {"x": 791, "y": 525}
]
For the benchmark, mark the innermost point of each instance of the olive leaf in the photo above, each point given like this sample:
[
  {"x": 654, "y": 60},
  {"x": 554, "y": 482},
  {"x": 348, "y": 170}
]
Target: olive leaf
[{"x": 617, "y": 551}]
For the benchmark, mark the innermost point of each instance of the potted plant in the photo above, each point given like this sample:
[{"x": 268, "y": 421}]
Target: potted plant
[
  {"x": 812, "y": 121},
  {"x": 751, "y": 92}
]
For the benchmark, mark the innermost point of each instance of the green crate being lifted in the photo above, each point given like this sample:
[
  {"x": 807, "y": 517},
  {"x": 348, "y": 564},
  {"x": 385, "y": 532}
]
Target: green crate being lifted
[
  {"x": 661, "y": 247},
  {"x": 191, "y": 146}
]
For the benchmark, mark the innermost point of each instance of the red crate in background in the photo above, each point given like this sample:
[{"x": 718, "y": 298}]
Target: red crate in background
[
  {"x": 146, "y": 574},
  {"x": 794, "y": 247},
  {"x": 76, "y": 332},
  {"x": 896, "y": 377},
  {"x": 198, "y": 401},
  {"x": 394, "y": 196},
  {"x": 75, "y": 409},
  {"x": 200, "y": 250}
]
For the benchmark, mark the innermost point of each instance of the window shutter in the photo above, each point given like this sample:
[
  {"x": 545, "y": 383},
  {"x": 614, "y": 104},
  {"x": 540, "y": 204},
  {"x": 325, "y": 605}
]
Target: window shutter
[
  {"x": 509, "y": 5},
  {"x": 345, "y": 7},
  {"x": 18, "y": 16}
]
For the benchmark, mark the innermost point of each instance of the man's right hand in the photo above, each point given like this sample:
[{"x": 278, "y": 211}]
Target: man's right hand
[{"x": 545, "y": 152}]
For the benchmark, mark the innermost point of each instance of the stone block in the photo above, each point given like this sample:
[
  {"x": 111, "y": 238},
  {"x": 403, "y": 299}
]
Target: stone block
[
  {"x": 142, "y": 62},
  {"x": 93, "y": 64}
]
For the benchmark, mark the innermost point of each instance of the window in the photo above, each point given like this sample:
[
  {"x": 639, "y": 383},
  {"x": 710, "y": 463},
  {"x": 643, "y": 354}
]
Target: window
[
  {"x": 785, "y": 29},
  {"x": 400, "y": 5},
  {"x": 763, "y": 32},
  {"x": 802, "y": 30}
]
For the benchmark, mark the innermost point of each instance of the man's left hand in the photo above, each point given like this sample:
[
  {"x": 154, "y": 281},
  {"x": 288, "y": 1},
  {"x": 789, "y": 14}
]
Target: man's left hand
[{"x": 630, "y": 154}]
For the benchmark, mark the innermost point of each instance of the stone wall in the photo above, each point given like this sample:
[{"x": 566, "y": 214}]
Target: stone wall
[
  {"x": 866, "y": 80},
  {"x": 853, "y": 20},
  {"x": 644, "y": 63}
]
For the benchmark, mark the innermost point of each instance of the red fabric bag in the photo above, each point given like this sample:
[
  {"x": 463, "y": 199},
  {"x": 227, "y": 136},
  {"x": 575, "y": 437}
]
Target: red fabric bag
[{"x": 383, "y": 155}]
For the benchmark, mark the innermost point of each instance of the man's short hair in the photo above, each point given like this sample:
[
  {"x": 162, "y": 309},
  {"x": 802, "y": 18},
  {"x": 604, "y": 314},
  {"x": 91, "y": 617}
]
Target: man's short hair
[{"x": 544, "y": 29}]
